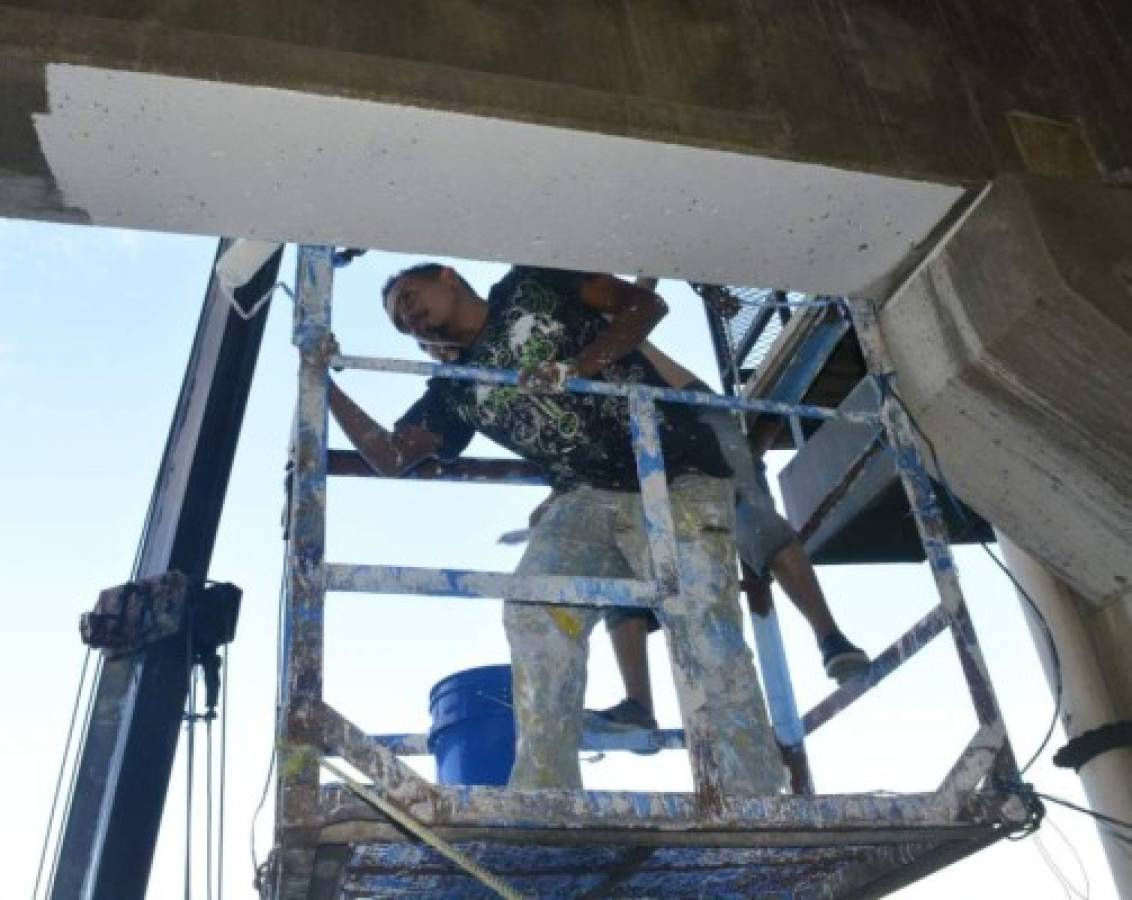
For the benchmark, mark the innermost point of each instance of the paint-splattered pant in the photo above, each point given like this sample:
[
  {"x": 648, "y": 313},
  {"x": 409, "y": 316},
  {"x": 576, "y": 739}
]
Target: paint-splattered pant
[
  {"x": 760, "y": 532},
  {"x": 601, "y": 533}
]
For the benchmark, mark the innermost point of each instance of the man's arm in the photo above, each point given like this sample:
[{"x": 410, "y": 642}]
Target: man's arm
[
  {"x": 633, "y": 311},
  {"x": 387, "y": 452}
]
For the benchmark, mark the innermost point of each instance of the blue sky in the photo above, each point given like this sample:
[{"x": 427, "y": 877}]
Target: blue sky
[{"x": 95, "y": 331}]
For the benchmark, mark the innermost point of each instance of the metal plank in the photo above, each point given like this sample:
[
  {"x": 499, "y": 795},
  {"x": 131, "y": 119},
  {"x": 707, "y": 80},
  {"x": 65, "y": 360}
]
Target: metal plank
[
  {"x": 126, "y": 759},
  {"x": 351, "y": 820},
  {"x": 974, "y": 764},
  {"x": 576, "y": 590},
  {"x": 909, "y": 644},
  {"x": 335, "y": 735}
]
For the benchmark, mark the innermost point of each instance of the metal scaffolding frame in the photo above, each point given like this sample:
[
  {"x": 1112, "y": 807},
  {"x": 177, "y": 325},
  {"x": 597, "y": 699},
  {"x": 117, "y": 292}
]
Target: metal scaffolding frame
[{"x": 331, "y": 843}]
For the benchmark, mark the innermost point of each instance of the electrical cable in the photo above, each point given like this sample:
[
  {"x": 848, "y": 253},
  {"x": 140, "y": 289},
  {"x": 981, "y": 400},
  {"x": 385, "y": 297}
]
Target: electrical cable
[
  {"x": 62, "y": 773},
  {"x": 88, "y": 714},
  {"x": 1076, "y": 858},
  {"x": 223, "y": 771},
  {"x": 1058, "y": 875},
  {"x": 278, "y": 706},
  {"x": 208, "y": 805},
  {"x": 189, "y": 754},
  {"x": 1108, "y": 820}
]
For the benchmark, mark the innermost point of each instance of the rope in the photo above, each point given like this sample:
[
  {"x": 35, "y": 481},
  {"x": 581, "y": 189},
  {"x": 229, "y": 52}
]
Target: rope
[{"x": 434, "y": 840}]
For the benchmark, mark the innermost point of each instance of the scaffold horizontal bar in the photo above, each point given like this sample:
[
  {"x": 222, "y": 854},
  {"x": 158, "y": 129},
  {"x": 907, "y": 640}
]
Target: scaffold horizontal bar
[
  {"x": 911, "y": 643},
  {"x": 576, "y": 590},
  {"x": 328, "y": 733},
  {"x": 466, "y": 470},
  {"x": 585, "y": 386},
  {"x": 784, "y": 820},
  {"x": 592, "y": 741}
]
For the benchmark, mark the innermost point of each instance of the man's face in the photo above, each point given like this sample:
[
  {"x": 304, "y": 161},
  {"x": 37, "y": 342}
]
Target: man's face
[{"x": 422, "y": 306}]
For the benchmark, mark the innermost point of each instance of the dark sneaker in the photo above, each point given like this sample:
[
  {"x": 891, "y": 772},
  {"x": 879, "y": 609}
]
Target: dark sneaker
[
  {"x": 624, "y": 718},
  {"x": 628, "y": 715},
  {"x": 843, "y": 660}
]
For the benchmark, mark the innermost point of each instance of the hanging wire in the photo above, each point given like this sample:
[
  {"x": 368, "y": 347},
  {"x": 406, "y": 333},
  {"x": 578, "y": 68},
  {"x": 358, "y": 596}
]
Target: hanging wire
[
  {"x": 1077, "y": 859},
  {"x": 62, "y": 773},
  {"x": 1101, "y": 817},
  {"x": 223, "y": 770},
  {"x": 190, "y": 724},
  {"x": 208, "y": 805},
  {"x": 278, "y": 708},
  {"x": 1058, "y": 875},
  {"x": 88, "y": 714}
]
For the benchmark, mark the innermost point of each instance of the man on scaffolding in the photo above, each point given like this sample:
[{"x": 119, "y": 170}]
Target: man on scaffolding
[{"x": 553, "y": 325}]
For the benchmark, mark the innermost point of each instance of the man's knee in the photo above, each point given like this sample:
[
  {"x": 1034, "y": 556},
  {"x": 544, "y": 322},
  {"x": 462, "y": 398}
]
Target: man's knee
[
  {"x": 545, "y": 630},
  {"x": 761, "y": 534}
]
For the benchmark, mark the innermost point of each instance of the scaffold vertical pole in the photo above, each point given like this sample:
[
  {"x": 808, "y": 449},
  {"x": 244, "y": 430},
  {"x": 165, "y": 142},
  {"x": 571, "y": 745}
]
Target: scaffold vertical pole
[
  {"x": 301, "y": 688},
  {"x": 769, "y": 646},
  {"x": 661, "y": 532},
  {"x": 930, "y": 524}
]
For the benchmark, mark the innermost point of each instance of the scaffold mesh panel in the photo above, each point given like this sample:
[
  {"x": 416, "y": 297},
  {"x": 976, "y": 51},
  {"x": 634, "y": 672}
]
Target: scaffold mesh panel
[{"x": 394, "y": 870}]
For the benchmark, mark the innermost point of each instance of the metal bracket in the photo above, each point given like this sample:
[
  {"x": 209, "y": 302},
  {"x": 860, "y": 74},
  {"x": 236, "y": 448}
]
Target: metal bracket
[{"x": 137, "y": 614}]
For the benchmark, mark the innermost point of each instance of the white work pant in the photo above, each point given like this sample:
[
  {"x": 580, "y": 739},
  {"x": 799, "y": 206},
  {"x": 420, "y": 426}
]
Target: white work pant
[{"x": 601, "y": 533}]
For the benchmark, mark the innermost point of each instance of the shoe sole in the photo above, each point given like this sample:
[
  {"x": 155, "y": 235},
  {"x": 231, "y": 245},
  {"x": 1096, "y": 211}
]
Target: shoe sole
[
  {"x": 846, "y": 667},
  {"x": 593, "y": 722}
]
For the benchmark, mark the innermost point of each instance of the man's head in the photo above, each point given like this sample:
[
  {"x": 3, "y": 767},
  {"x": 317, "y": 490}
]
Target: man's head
[{"x": 423, "y": 299}]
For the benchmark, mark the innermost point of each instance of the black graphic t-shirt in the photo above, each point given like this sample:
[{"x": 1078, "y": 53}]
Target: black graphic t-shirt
[{"x": 537, "y": 315}]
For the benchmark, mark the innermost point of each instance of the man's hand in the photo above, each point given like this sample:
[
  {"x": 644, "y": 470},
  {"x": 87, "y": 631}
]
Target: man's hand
[
  {"x": 539, "y": 511},
  {"x": 322, "y": 352},
  {"x": 546, "y": 377}
]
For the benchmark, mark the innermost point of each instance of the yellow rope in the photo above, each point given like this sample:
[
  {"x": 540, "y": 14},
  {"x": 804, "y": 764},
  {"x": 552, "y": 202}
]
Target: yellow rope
[{"x": 434, "y": 840}]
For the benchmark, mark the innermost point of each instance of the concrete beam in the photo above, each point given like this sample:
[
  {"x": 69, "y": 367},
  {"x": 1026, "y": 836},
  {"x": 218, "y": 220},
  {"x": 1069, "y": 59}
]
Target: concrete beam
[
  {"x": 174, "y": 154},
  {"x": 1012, "y": 345},
  {"x": 919, "y": 90},
  {"x": 709, "y": 140}
]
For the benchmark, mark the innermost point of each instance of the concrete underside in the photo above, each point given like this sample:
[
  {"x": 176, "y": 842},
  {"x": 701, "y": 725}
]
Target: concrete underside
[
  {"x": 175, "y": 154},
  {"x": 718, "y": 140}
]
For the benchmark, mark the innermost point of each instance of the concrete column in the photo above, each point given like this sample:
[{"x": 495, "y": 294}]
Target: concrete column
[{"x": 1093, "y": 646}]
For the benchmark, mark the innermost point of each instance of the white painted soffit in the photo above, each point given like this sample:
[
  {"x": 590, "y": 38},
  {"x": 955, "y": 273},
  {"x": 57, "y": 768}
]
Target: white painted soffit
[{"x": 172, "y": 154}]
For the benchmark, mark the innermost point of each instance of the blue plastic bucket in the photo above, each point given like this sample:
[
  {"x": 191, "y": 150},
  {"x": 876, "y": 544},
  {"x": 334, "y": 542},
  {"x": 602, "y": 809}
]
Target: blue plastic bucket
[{"x": 473, "y": 729}]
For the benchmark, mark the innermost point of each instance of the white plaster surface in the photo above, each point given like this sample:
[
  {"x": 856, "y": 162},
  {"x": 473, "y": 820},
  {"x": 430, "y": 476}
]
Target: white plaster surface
[{"x": 154, "y": 152}]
